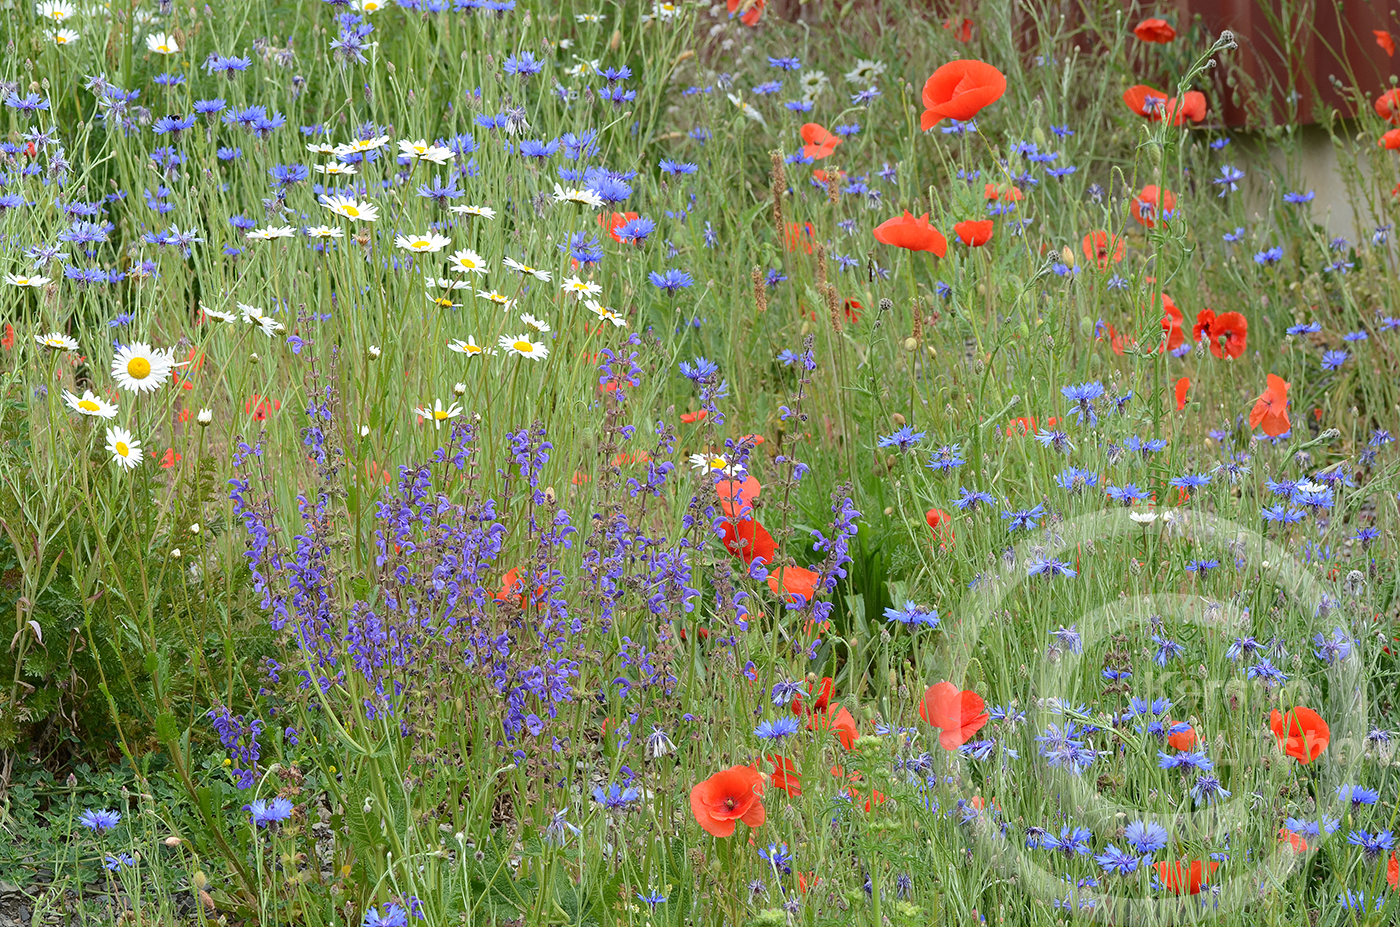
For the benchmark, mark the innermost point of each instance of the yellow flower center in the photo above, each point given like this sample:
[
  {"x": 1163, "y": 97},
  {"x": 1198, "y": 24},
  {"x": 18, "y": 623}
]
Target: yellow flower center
[
  {"x": 351, "y": 211},
  {"x": 138, "y": 368},
  {"x": 524, "y": 347},
  {"x": 420, "y": 243},
  {"x": 444, "y": 303},
  {"x": 87, "y": 405},
  {"x": 716, "y": 463},
  {"x": 472, "y": 349},
  {"x": 440, "y": 414},
  {"x": 60, "y": 39},
  {"x": 122, "y": 449},
  {"x": 163, "y": 49}
]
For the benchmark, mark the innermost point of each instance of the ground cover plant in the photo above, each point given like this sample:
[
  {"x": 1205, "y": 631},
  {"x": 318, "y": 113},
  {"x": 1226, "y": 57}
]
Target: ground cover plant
[{"x": 495, "y": 462}]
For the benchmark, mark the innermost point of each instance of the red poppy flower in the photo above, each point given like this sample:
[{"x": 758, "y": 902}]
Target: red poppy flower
[
  {"x": 1204, "y": 320},
  {"x": 733, "y": 794},
  {"x": 959, "y": 714},
  {"x": 690, "y": 418},
  {"x": 513, "y": 587},
  {"x": 962, "y": 31},
  {"x": 852, "y": 308},
  {"x": 261, "y": 408},
  {"x": 912, "y": 234},
  {"x": 821, "y": 697},
  {"x": 1392, "y": 871},
  {"x": 615, "y": 221},
  {"x": 1172, "y": 320},
  {"x": 1182, "y": 740},
  {"x": 1191, "y": 106},
  {"x": 170, "y": 459},
  {"x": 1145, "y": 101},
  {"x": 819, "y": 142},
  {"x": 1390, "y": 141},
  {"x": 1146, "y": 205},
  {"x": 942, "y": 524},
  {"x": 974, "y": 233},
  {"x": 799, "y": 585},
  {"x": 836, "y": 720},
  {"x": 959, "y": 90},
  {"x": 746, "y": 539},
  {"x": 1305, "y": 735},
  {"x": 807, "y": 881},
  {"x": 1388, "y": 106},
  {"x": 1007, "y": 193},
  {"x": 1154, "y": 30},
  {"x": 1384, "y": 40},
  {"x": 785, "y": 776},
  {"x": 803, "y": 235},
  {"x": 1182, "y": 386},
  {"x": 8, "y": 340},
  {"x": 1184, "y": 878},
  {"x": 1227, "y": 334},
  {"x": 736, "y": 495},
  {"x": 1271, "y": 409},
  {"x": 1296, "y": 841},
  {"x": 1100, "y": 248},
  {"x": 750, "y": 11}
]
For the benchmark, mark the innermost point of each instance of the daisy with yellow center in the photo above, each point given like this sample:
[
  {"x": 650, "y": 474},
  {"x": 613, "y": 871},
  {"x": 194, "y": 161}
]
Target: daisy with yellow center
[
  {"x": 320, "y": 148},
  {"x": 581, "y": 197},
  {"x": 22, "y": 280},
  {"x": 217, "y": 314},
  {"x": 438, "y": 414},
  {"x": 325, "y": 231},
  {"x": 481, "y": 212},
  {"x": 604, "y": 313},
  {"x": 161, "y": 44},
  {"x": 534, "y": 324},
  {"x": 56, "y": 11},
  {"x": 255, "y": 316},
  {"x": 336, "y": 168},
  {"x": 64, "y": 37},
  {"x": 58, "y": 341},
  {"x": 89, "y": 404},
  {"x": 361, "y": 145},
  {"x": 125, "y": 450},
  {"x": 467, "y": 261},
  {"x": 468, "y": 347},
  {"x": 369, "y": 6},
  {"x": 499, "y": 299},
  {"x": 140, "y": 369},
  {"x": 271, "y": 232},
  {"x": 703, "y": 462},
  {"x": 350, "y": 208},
  {"x": 522, "y": 346},
  {"x": 427, "y": 243},
  {"x": 425, "y": 152},
  {"x": 580, "y": 288},
  {"x": 541, "y": 275},
  {"x": 442, "y": 302}
]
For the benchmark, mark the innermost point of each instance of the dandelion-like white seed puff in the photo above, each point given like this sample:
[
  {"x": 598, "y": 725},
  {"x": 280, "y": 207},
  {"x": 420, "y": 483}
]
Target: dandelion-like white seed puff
[
  {"x": 161, "y": 44},
  {"x": 350, "y": 208},
  {"x": 125, "y": 450},
  {"x": 522, "y": 346},
  {"x": 89, "y": 404},
  {"x": 140, "y": 369}
]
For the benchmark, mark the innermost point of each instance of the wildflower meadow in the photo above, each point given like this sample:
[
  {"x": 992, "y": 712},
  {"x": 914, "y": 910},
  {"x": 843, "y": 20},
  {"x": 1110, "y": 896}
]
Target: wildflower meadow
[{"x": 501, "y": 462}]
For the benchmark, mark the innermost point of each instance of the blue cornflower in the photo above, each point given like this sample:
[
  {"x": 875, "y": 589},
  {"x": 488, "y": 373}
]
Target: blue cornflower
[
  {"x": 784, "y": 692},
  {"x": 1334, "y": 649},
  {"x": 699, "y": 370},
  {"x": 1372, "y": 844},
  {"x": 904, "y": 438},
  {"x": 1049, "y": 566},
  {"x": 1269, "y": 256},
  {"x": 1234, "y": 236},
  {"x": 635, "y": 231},
  {"x": 1298, "y": 198},
  {"x": 1193, "y": 761},
  {"x": 1358, "y": 795},
  {"x": 947, "y": 457},
  {"x": 671, "y": 281},
  {"x": 785, "y": 64},
  {"x": 118, "y": 862},
  {"x": 1025, "y": 519},
  {"x": 1229, "y": 179},
  {"x": 866, "y": 97},
  {"x": 99, "y": 820},
  {"x": 1190, "y": 481},
  {"x": 262, "y": 813},
  {"x": 1267, "y": 673},
  {"x": 777, "y": 856},
  {"x": 1129, "y": 494},
  {"x": 1074, "y": 480},
  {"x": 1072, "y": 841},
  {"x": 1201, "y": 566},
  {"x": 1084, "y": 394},
  {"x": 1146, "y": 837},
  {"x": 523, "y": 65},
  {"x": 969, "y": 499},
  {"x": 1355, "y": 336},
  {"x": 1207, "y": 789},
  {"x": 778, "y": 728},
  {"x": 768, "y": 88},
  {"x": 1116, "y": 861},
  {"x": 533, "y": 148},
  {"x": 1167, "y": 649},
  {"x": 1068, "y": 638},
  {"x": 651, "y": 899},
  {"x": 678, "y": 167},
  {"x": 615, "y": 797},
  {"x": 913, "y": 614},
  {"x": 1333, "y": 360}
]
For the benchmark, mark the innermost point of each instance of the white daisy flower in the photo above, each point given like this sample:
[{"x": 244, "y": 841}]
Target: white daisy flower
[
  {"x": 56, "y": 11},
  {"x": 497, "y": 297},
  {"x": 217, "y": 314},
  {"x": 335, "y": 167},
  {"x": 426, "y": 152},
  {"x": 350, "y": 208},
  {"x": 320, "y": 148},
  {"x": 125, "y": 450},
  {"x": 255, "y": 316},
  {"x": 513, "y": 264},
  {"x": 467, "y": 261},
  {"x": 140, "y": 369},
  {"x": 361, "y": 145},
  {"x": 482, "y": 212},
  {"x": 447, "y": 283},
  {"x": 522, "y": 346},
  {"x": 58, "y": 341},
  {"x": 866, "y": 72},
  {"x": 427, "y": 243},
  {"x": 161, "y": 44},
  {"x": 271, "y": 232},
  {"x": 442, "y": 302},
  {"x": 580, "y": 288},
  {"x": 325, "y": 231},
  {"x": 747, "y": 110},
  {"x": 604, "y": 313},
  {"x": 24, "y": 280},
  {"x": 573, "y": 195},
  {"x": 589, "y": 17},
  {"x": 703, "y": 462},
  {"x": 63, "y": 37},
  {"x": 89, "y": 404},
  {"x": 533, "y": 323},
  {"x": 468, "y": 347},
  {"x": 438, "y": 414}
]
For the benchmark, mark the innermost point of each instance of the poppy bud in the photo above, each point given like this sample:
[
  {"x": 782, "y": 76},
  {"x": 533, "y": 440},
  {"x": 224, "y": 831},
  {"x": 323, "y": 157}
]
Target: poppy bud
[
  {"x": 911, "y": 344},
  {"x": 173, "y": 841},
  {"x": 898, "y": 420},
  {"x": 1066, "y": 256}
]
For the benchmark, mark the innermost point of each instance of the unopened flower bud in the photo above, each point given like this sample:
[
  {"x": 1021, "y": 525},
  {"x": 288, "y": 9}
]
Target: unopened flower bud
[
  {"x": 205, "y": 417},
  {"x": 374, "y": 352},
  {"x": 459, "y": 389}
]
